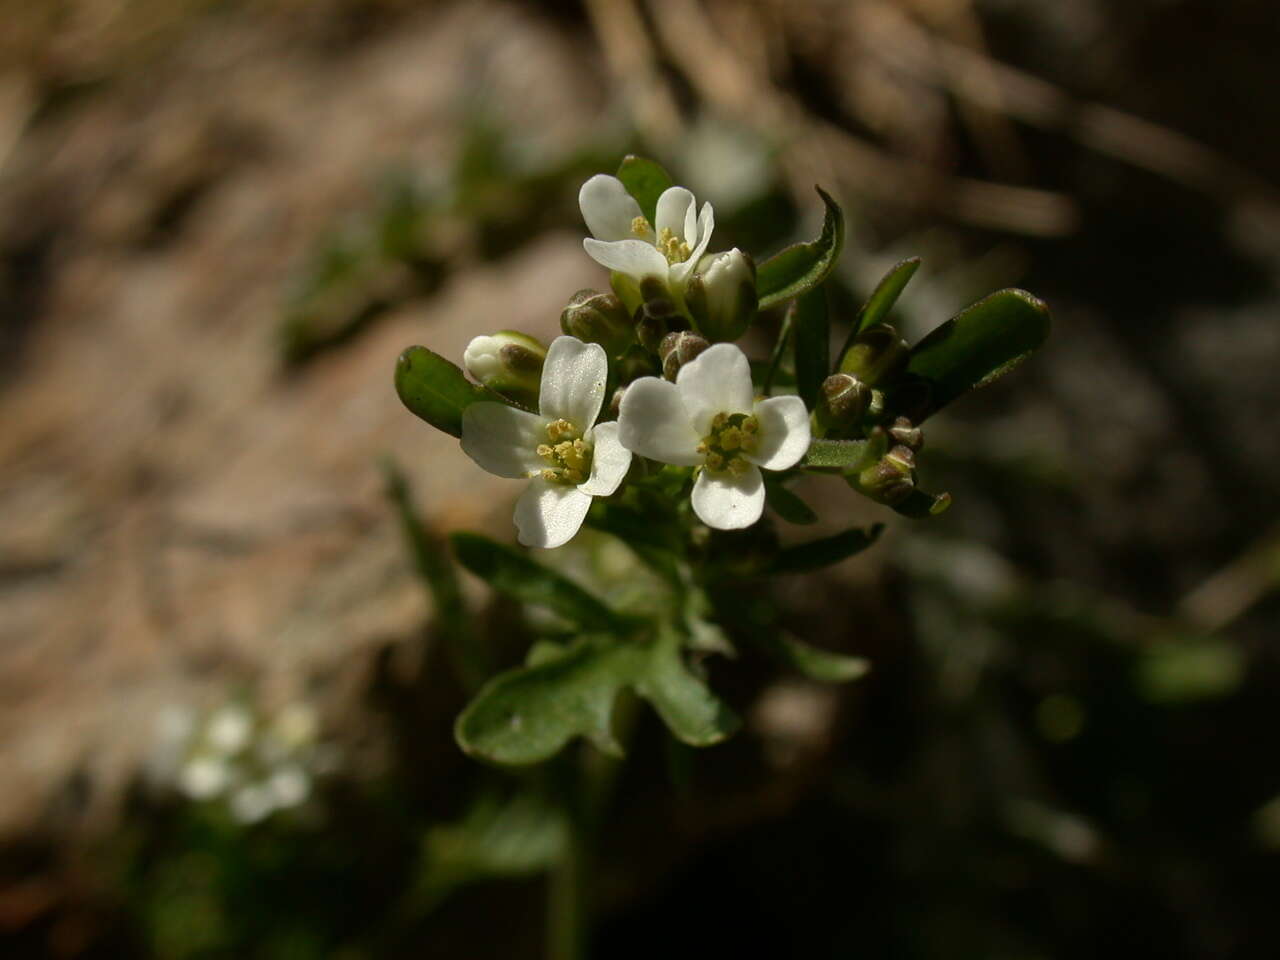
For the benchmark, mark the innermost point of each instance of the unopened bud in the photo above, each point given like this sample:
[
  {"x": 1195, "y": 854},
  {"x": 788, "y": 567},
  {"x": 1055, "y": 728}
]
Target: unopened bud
[
  {"x": 890, "y": 480},
  {"x": 876, "y": 354},
  {"x": 844, "y": 400},
  {"x": 598, "y": 318},
  {"x": 677, "y": 349},
  {"x": 615, "y": 404},
  {"x": 906, "y": 433},
  {"x": 626, "y": 289},
  {"x": 721, "y": 295},
  {"x": 509, "y": 363},
  {"x": 654, "y": 320}
]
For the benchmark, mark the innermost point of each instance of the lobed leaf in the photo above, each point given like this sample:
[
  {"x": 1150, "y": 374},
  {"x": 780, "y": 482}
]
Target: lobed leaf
[
  {"x": 435, "y": 389},
  {"x": 645, "y": 180},
  {"x": 979, "y": 345},
  {"x": 511, "y": 572},
  {"x": 801, "y": 267},
  {"x": 817, "y": 554},
  {"x": 813, "y": 344}
]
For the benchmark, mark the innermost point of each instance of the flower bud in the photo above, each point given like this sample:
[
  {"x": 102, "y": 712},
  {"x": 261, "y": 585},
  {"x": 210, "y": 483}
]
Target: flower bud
[
  {"x": 843, "y": 402},
  {"x": 654, "y": 320},
  {"x": 721, "y": 295},
  {"x": 598, "y": 318},
  {"x": 906, "y": 433},
  {"x": 508, "y": 363},
  {"x": 876, "y": 354},
  {"x": 677, "y": 349},
  {"x": 891, "y": 480}
]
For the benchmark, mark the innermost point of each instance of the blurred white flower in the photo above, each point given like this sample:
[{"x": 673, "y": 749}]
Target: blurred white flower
[
  {"x": 251, "y": 803},
  {"x": 203, "y": 777},
  {"x": 289, "y": 786},
  {"x": 229, "y": 729}
]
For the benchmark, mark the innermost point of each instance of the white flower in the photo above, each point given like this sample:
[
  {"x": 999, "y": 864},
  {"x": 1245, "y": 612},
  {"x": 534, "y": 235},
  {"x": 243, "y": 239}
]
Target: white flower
[
  {"x": 622, "y": 238},
  {"x": 205, "y": 777},
  {"x": 711, "y": 418},
  {"x": 567, "y": 458},
  {"x": 229, "y": 729}
]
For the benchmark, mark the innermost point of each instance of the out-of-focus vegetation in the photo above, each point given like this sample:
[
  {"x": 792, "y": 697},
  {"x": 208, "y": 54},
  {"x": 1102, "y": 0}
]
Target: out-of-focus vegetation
[{"x": 1062, "y": 746}]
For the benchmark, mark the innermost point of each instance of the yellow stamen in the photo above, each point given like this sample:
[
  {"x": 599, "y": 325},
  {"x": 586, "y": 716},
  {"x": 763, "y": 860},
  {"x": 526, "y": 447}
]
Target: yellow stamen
[{"x": 640, "y": 227}]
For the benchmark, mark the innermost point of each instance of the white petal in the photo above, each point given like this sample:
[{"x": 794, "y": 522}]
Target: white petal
[
  {"x": 607, "y": 207},
  {"x": 635, "y": 258},
  {"x": 680, "y": 272},
  {"x": 691, "y": 225},
  {"x": 573, "y": 379},
  {"x": 654, "y": 423},
  {"x": 549, "y": 514},
  {"x": 784, "y": 433},
  {"x": 717, "y": 381},
  {"x": 672, "y": 207},
  {"x": 726, "y": 502},
  {"x": 503, "y": 439},
  {"x": 610, "y": 461}
]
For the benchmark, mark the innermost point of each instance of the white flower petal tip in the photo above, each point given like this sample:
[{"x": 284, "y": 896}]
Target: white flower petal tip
[
  {"x": 622, "y": 238},
  {"x": 729, "y": 502},
  {"x": 718, "y": 380},
  {"x": 565, "y": 456},
  {"x": 784, "y": 433}
]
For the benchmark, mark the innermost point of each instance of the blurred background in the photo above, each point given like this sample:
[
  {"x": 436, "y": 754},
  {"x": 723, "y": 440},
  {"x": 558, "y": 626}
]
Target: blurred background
[{"x": 225, "y": 701}]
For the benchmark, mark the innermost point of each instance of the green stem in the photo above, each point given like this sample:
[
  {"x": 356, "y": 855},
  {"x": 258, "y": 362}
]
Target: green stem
[
  {"x": 568, "y": 908},
  {"x": 779, "y": 347}
]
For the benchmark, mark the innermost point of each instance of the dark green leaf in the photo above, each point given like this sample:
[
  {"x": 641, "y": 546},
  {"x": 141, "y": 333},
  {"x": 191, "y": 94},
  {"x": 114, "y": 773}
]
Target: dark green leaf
[
  {"x": 786, "y": 504},
  {"x": 920, "y": 505},
  {"x": 803, "y": 266},
  {"x": 886, "y": 293},
  {"x": 981, "y": 343},
  {"x": 511, "y": 572},
  {"x": 527, "y": 715},
  {"x": 813, "y": 344},
  {"x": 435, "y": 389},
  {"x": 817, "y": 554},
  {"x": 813, "y": 662},
  {"x": 645, "y": 180},
  {"x": 435, "y": 566},
  {"x": 844, "y": 454}
]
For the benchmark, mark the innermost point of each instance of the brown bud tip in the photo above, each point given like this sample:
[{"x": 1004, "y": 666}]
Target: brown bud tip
[{"x": 678, "y": 348}]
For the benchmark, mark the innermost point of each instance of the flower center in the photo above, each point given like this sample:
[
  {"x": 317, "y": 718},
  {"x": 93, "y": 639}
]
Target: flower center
[
  {"x": 732, "y": 435},
  {"x": 567, "y": 454},
  {"x": 672, "y": 247}
]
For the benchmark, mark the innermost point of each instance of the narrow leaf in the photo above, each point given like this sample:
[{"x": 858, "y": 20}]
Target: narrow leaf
[
  {"x": 435, "y": 389},
  {"x": 813, "y": 344},
  {"x": 817, "y": 554},
  {"x": 645, "y": 180},
  {"x": 886, "y": 293},
  {"x": 803, "y": 266},
  {"x": 814, "y": 662},
  {"x": 786, "y": 504},
  {"x": 511, "y": 572},
  {"x": 980, "y": 344}
]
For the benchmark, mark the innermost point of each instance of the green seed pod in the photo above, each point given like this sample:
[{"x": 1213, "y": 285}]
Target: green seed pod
[
  {"x": 509, "y": 363},
  {"x": 843, "y": 402},
  {"x": 876, "y": 355},
  {"x": 599, "y": 318},
  {"x": 721, "y": 295},
  {"x": 677, "y": 349}
]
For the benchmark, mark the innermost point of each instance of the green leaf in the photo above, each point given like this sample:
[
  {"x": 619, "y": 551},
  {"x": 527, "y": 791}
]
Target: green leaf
[
  {"x": 983, "y": 342},
  {"x": 844, "y": 454},
  {"x": 813, "y": 344},
  {"x": 645, "y": 180},
  {"x": 886, "y": 294},
  {"x": 527, "y": 715},
  {"x": 919, "y": 505},
  {"x": 817, "y": 554},
  {"x": 813, "y": 662},
  {"x": 786, "y": 504},
  {"x": 511, "y": 572},
  {"x": 435, "y": 389},
  {"x": 803, "y": 266}
]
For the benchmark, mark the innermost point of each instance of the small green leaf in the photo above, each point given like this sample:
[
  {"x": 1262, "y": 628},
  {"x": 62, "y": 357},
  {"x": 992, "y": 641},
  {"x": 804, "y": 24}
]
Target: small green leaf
[
  {"x": 435, "y": 389},
  {"x": 980, "y": 344},
  {"x": 813, "y": 344},
  {"x": 645, "y": 180},
  {"x": 813, "y": 662},
  {"x": 527, "y": 715},
  {"x": 844, "y": 454},
  {"x": 886, "y": 293},
  {"x": 817, "y": 554},
  {"x": 511, "y": 572},
  {"x": 786, "y": 504},
  {"x": 919, "y": 505},
  {"x": 803, "y": 266}
]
